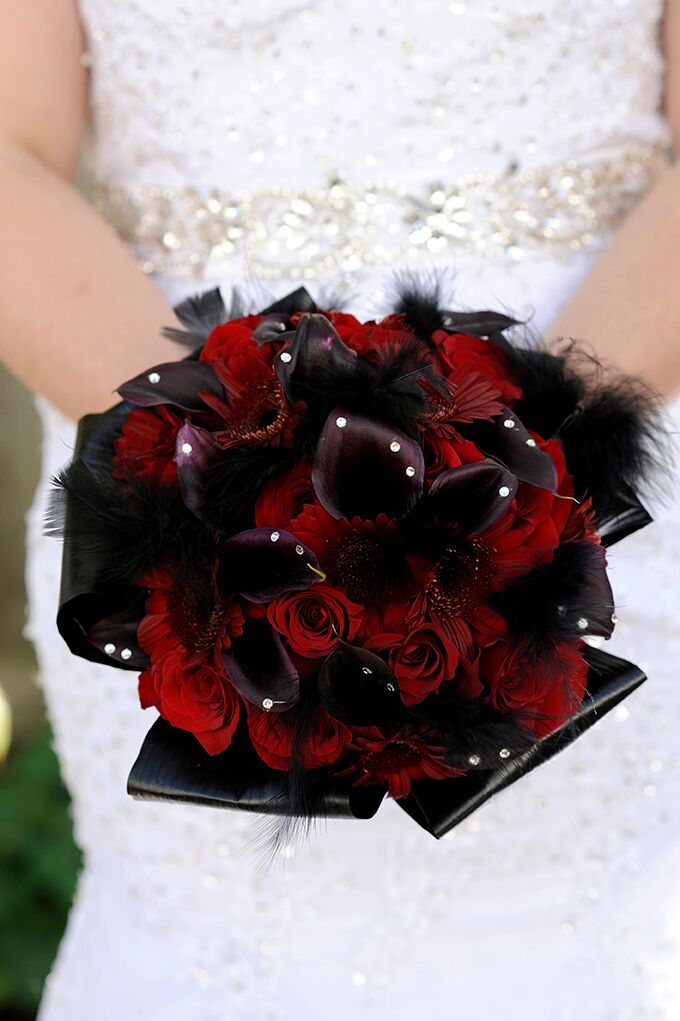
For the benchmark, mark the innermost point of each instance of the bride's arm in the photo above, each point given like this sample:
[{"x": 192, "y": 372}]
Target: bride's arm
[
  {"x": 77, "y": 316},
  {"x": 628, "y": 307}
]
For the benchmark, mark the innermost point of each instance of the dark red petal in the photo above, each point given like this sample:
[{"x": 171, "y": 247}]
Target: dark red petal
[
  {"x": 263, "y": 563},
  {"x": 506, "y": 439},
  {"x": 260, "y": 669},
  {"x": 358, "y": 687},
  {"x": 316, "y": 348},
  {"x": 196, "y": 451},
  {"x": 472, "y": 496},
  {"x": 177, "y": 383},
  {"x": 366, "y": 468}
]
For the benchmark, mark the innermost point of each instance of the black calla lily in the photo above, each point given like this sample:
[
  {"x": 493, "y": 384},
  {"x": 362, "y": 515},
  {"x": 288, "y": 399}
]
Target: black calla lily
[
  {"x": 176, "y": 383},
  {"x": 358, "y": 687},
  {"x": 363, "y": 467},
  {"x": 260, "y": 669},
  {"x": 263, "y": 563}
]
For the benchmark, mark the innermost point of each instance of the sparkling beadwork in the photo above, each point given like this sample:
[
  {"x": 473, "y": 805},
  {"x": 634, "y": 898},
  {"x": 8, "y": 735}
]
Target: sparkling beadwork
[
  {"x": 299, "y": 550},
  {"x": 395, "y": 446},
  {"x": 509, "y": 423},
  {"x": 275, "y": 536},
  {"x": 126, "y": 653},
  {"x": 267, "y": 703},
  {"x": 109, "y": 648},
  {"x": 187, "y": 448},
  {"x": 341, "y": 422},
  {"x": 286, "y": 356},
  {"x": 531, "y": 442},
  {"x": 474, "y": 760},
  {"x": 154, "y": 377},
  {"x": 410, "y": 471},
  {"x": 504, "y": 491},
  {"x": 557, "y": 207},
  {"x": 582, "y": 623},
  {"x": 504, "y": 753}
]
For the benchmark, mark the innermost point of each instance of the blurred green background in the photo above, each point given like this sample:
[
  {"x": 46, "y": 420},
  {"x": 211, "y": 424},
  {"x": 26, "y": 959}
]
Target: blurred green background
[{"x": 38, "y": 859}]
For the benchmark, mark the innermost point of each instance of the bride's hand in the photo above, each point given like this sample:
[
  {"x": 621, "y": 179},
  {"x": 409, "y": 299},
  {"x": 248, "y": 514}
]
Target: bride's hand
[
  {"x": 628, "y": 307},
  {"x": 77, "y": 315}
]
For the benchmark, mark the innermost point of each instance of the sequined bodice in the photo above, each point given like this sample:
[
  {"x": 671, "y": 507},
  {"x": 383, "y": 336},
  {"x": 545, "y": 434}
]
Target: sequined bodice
[{"x": 333, "y": 134}]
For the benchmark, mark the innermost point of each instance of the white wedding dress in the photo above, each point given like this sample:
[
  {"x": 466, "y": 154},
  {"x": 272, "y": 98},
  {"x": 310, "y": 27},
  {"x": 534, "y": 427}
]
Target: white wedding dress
[{"x": 265, "y": 143}]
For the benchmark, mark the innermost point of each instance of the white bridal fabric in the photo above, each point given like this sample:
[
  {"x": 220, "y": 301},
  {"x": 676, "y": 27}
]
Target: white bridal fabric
[{"x": 560, "y": 900}]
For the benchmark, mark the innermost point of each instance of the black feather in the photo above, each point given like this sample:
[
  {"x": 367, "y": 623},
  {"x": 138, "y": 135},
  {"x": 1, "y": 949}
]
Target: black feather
[
  {"x": 419, "y": 298},
  {"x": 466, "y": 727},
  {"x": 234, "y": 482},
  {"x": 122, "y": 528},
  {"x": 303, "y": 793},
  {"x": 616, "y": 441},
  {"x": 546, "y": 604},
  {"x": 200, "y": 314},
  {"x": 387, "y": 389},
  {"x": 610, "y": 424}
]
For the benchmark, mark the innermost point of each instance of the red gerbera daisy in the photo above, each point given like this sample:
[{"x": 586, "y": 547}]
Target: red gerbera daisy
[{"x": 398, "y": 759}]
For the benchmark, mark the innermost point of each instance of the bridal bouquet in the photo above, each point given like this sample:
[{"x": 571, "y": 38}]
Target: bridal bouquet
[{"x": 353, "y": 559}]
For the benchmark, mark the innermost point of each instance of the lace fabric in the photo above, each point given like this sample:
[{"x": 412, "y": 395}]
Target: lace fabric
[{"x": 578, "y": 864}]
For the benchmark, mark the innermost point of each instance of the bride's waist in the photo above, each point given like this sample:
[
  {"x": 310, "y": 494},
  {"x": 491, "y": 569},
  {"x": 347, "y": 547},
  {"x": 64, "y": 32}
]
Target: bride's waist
[{"x": 347, "y": 224}]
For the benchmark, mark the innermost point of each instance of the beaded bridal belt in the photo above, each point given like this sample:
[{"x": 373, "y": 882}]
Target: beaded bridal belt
[{"x": 556, "y": 208}]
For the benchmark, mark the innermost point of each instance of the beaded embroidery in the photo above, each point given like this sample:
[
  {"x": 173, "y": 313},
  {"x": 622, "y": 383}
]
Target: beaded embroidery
[{"x": 557, "y": 208}]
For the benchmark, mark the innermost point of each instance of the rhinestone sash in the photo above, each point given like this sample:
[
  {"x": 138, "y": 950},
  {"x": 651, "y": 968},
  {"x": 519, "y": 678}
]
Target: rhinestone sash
[{"x": 556, "y": 208}]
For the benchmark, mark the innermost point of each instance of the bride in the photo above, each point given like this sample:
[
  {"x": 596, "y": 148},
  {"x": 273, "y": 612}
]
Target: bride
[{"x": 520, "y": 149}]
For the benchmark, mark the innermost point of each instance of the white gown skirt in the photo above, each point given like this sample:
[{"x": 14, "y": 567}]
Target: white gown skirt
[{"x": 557, "y": 901}]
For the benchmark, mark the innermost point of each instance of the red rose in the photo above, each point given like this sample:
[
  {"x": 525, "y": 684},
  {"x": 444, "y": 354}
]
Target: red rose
[
  {"x": 199, "y": 700},
  {"x": 145, "y": 447},
  {"x": 230, "y": 340},
  {"x": 272, "y": 738},
  {"x": 440, "y": 455},
  {"x": 284, "y": 497},
  {"x": 312, "y": 621},
  {"x": 372, "y": 340},
  {"x": 459, "y": 350},
  {"x": 551, "y": 686},
  {"x": 423, "y": 660}
]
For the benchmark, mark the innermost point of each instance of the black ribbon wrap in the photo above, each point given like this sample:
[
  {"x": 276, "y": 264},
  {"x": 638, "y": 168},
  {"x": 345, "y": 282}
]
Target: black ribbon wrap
[{"x": 173, "y": 766}]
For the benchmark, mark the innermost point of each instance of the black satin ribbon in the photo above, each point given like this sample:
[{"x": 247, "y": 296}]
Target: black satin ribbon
[
  {"x": 439, "y": 805},
  {"x": 85, "y": 598},
  {"x": 172, "y": 766}
]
